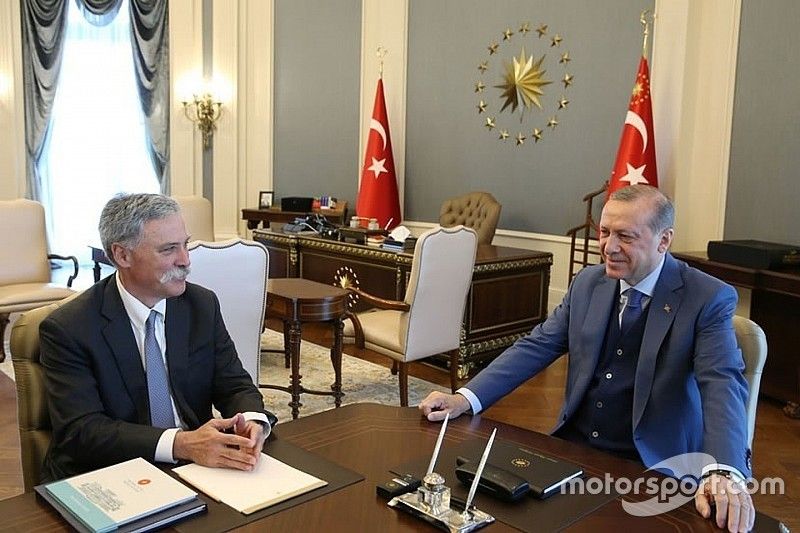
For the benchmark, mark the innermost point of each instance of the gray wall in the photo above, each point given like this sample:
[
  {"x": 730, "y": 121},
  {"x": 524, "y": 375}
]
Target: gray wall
[
  {"x": 448, "y": 150},
  {"x": 764, "y": 181},
  {"x": 317, "y": 84}
]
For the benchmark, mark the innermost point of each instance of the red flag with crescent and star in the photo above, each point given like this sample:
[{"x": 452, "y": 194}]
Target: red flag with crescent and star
[
  {"x": 378, "y": 197},
  {"x": 636, "y": 157}
]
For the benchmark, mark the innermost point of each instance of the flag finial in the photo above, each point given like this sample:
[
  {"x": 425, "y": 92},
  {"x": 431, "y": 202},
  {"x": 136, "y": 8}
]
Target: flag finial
[
  {"x": 381, "y": 53},
  {"x": 645, "y": 29}
]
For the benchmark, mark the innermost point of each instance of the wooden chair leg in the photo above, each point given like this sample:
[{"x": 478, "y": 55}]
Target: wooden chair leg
[
  {"x": 453, "y": 370},
  {"x": 4, "y": 319},
  {"x": 403, "y": 384},
  {"x": 394, "y": 368}
]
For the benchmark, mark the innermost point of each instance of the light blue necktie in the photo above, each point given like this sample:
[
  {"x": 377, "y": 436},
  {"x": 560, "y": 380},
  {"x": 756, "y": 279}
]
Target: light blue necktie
[
  {"x": 633, "y": 309},
  {"x": 161, "y": 415}
]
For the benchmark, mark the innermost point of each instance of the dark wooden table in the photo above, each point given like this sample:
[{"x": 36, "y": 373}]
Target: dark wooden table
[
  {"x": 775, "y": 306},
  {"x": 294, "y": 301},
  {"x": 265, "y": 217},
  {"x": 507, "y": 296},
  {"x": 371, "y": 439}
]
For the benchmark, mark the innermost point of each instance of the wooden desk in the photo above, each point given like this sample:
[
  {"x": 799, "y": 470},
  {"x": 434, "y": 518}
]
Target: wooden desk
[
  {"x": 253, "y": 217},
  {"x": 371, "y": 439},
  {"x": 775, "y": 306},
  {"x": 295, "y": 301},
  {"x": 507, "y": 297}
]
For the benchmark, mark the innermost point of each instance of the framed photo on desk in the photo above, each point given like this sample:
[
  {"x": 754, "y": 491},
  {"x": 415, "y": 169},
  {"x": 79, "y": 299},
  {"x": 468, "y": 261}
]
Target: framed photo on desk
[{"x": 265, "y": 199}]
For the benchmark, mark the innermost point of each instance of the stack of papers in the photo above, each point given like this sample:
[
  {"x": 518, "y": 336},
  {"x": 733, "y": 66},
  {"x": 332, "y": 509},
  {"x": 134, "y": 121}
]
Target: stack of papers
[{"x": 269, "y": 483}]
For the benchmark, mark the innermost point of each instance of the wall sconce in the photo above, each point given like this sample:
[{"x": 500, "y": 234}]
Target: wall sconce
[{"x": 204, "y": 112}]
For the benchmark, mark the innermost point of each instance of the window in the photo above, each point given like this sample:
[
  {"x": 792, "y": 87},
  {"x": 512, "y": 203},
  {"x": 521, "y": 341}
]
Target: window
[{"x": 96, "y": 145}]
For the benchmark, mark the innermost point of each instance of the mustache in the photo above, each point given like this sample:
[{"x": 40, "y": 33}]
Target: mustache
[{"x": 179, "y": 273}]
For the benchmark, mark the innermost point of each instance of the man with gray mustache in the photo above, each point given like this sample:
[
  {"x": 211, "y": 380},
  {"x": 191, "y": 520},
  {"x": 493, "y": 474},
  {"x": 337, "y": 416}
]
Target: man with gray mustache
[{"x": 134, "y": 364}]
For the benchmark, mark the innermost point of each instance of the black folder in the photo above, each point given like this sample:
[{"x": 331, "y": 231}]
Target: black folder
[{"x": 544, "y": 474}]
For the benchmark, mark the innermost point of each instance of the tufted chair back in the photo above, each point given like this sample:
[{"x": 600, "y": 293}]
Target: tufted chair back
[{"x": 477, "y": 210}]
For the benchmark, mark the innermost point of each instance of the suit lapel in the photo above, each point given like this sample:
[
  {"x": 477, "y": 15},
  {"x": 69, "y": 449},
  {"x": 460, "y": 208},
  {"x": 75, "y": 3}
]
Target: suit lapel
[
  {"x": 119, "y": 337},
  {"x": 177, "y": 334},
  {"x": 661, "y": 312}
]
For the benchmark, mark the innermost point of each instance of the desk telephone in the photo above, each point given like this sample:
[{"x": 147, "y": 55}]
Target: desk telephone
[{"x": 313, "y": 223}]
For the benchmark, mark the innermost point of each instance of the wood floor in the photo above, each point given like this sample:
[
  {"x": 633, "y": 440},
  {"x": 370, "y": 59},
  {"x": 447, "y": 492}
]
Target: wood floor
[{"x": 534, "y": 406}]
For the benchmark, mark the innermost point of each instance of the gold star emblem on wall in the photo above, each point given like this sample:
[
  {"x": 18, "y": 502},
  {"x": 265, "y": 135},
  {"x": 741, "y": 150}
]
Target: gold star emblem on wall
[
  {"x": 523, "y": 82},
  {"x": 523, "y": 63}
]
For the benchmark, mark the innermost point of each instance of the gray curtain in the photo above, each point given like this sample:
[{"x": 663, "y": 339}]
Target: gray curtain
[
  {"x": 43, "y": 23},
  {"x": 150, "y": 40}
]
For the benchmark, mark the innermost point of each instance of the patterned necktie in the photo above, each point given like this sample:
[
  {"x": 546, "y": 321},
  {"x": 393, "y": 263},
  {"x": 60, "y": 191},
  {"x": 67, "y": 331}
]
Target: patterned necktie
[
  {"x": 633, "y": 309},
  {"x": 157, "y": 384}
]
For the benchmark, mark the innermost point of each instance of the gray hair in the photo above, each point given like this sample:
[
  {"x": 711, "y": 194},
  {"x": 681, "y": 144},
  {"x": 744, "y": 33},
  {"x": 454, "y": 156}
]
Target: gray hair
[
  {"x": 124, "y": 216},
  {"x": 663, "y": 211}
]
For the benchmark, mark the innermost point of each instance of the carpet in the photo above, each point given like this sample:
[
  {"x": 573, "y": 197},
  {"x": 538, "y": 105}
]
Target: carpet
[{"x": 362, "y": 381}]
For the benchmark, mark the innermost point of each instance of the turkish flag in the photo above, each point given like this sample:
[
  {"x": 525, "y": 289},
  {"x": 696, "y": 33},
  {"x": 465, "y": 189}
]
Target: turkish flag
[
  {"x": 636, "y": 158},
  {"x": 378, "y": 197}
]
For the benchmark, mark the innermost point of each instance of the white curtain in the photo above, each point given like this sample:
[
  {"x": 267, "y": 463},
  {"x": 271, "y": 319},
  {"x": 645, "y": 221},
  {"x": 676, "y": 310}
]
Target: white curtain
[{"x": 96, "y": 145}]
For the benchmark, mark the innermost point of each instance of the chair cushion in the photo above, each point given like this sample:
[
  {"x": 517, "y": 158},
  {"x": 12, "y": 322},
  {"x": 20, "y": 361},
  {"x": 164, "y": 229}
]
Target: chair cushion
[
  {"x": 24, "y": 296},
  {"x": 381, "y": 332}
]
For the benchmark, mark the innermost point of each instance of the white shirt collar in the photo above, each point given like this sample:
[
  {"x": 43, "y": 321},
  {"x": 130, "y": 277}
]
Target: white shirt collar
[
  {"x": 137, "y": 311},
  {"x": 648, "y": 284}
]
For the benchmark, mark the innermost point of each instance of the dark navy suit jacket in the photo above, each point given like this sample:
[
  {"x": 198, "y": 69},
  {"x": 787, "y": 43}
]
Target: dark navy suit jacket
[
  {"x": 689, "y": 391},
  {"x": 96, "y": 384}
]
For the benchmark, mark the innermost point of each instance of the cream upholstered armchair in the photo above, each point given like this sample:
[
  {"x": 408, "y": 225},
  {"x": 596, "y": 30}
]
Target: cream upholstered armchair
[
  {"x": 35, "y": 430},
  {"x": 236, "y": 270},
  {"x": 428, "y": 321},
  {"x": 198, "y": 215},
  {"x": 753, "y": 343},
  {"x": 477, "y": 210},
  {"x": 25, "y": 263}
]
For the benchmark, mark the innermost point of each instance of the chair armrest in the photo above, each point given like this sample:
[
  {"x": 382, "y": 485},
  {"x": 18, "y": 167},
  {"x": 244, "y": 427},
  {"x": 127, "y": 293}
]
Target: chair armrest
[
  {"x": 67, "y": 258},
  {"x": 357, "y": 329},
  {"x": 380, "y": 303}
]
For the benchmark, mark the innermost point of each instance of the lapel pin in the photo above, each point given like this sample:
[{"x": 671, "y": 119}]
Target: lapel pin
[{"x": 667, "y": 308}]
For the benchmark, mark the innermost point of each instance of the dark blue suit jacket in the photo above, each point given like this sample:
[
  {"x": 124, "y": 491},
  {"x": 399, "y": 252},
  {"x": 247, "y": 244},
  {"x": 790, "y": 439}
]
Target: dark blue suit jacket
[
  {"x": 689, "y": 391},
  {"x": 96, "y": 384}
]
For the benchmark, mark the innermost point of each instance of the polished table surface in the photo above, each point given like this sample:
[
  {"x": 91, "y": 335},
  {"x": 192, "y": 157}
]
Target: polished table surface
[{"x": 372, "y": 438}]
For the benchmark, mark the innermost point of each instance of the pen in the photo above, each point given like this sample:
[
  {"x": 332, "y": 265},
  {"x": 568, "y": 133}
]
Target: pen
[
  {"x": 436, "y": 448},
  {"x": 479, "y": 472}
]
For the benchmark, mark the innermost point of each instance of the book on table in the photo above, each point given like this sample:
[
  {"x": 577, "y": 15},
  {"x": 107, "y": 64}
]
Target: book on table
[
  {"x": 130, "y": 496},
  {"x": 271, "y": 482}
]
